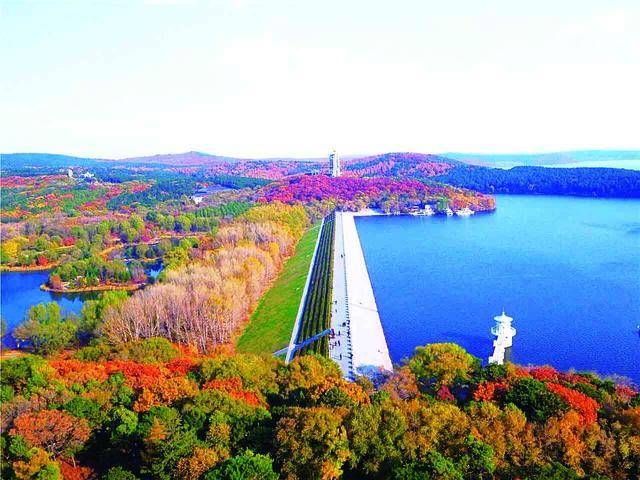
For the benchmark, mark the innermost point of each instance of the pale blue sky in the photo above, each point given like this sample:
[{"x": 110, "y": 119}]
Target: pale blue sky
[{"x": 267, "y": 78}]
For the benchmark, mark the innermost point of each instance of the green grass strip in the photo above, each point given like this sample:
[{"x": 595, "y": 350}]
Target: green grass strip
[{"x": 270, "y": 326}]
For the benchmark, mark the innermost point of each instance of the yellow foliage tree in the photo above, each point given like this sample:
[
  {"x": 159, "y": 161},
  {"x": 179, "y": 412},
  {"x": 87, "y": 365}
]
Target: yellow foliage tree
[
  {"x": 9, "y": 251},
  {"x": 39, "y": 465}
]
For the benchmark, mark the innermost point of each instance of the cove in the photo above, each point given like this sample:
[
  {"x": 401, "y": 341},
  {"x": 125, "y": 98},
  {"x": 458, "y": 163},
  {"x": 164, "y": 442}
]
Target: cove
[
  {"x": 567, "y": 270},
  {"x": 21, "y": 290}
]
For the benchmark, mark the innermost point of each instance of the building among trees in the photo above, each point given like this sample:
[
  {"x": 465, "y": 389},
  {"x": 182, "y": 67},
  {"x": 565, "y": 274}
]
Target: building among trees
[{"x": 334, "y": 163}]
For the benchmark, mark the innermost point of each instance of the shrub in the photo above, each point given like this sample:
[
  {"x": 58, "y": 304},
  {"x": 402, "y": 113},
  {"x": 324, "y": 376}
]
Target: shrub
[
  {"x": 535, "y": 400},
  {"x": 151, "y": 350},
  {"x": 25, "y": 372},
  {"x": 441, "y": 363},
  {"x": 119, "y": 473},
  {"x": 93, "y": 353},
  {"x": 247, "y": 466},
  {"x": 45, "y": 331}
]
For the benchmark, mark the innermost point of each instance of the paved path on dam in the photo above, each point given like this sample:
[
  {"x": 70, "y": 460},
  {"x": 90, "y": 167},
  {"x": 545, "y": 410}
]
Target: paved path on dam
[{"x": 358, "y": 344}]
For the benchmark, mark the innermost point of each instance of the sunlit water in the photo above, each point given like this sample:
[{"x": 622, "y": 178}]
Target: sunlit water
[{"x": 566, "y": 269}]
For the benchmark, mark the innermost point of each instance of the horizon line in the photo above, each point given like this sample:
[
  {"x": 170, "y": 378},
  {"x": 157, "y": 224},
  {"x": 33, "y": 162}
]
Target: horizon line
[{"x": 354, "y": 155}]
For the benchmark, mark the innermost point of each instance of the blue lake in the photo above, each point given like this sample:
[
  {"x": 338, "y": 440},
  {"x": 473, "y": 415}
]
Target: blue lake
[
  {"x": 566, "y": 269},
  {"x": 21, "y": 290}
]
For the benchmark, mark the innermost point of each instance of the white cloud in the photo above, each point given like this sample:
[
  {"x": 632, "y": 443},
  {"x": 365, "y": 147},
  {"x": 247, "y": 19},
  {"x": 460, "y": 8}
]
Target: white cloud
[
  {"x": 612, "y": 22},
  {"x": 252, "y": 86},
  {"x": 170, "y": 2}
]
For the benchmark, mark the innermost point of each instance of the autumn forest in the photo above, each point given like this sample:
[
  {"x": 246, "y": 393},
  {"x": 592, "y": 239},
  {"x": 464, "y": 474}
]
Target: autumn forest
[{"x": 145, "y": 381}]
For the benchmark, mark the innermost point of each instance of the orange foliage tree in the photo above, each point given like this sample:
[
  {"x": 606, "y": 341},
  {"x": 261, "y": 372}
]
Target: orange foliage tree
[
  {"x": 586, "y": 406},
  {"x": 52, "y": 430}
]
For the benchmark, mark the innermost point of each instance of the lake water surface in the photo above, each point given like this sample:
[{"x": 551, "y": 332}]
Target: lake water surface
[
  {"x": 21, "y": 290},
  {"x": 566, "y": 269}
]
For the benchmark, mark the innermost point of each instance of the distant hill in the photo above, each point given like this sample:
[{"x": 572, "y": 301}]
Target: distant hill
[
  {"x": 186, "y": 159},
  {"x": 545, "y": 159},
  {"x": 405, "y": 164},
  {"x": 19, "y": 160},
  {"x": 182, "y": 159},
  {"x": 193, "y": 158},
  {"x": 387, "y": 163},
  {"x": 401, "y": 157}
]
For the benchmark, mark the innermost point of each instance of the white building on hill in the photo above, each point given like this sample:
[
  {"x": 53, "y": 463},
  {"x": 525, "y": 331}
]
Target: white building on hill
[{"x": 334, "y": 164}]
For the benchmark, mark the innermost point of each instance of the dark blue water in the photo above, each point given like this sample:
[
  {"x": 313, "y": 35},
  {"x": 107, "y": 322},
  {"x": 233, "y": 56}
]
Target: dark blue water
[
  {"x": 566, "y": 269},
  {"x": 19, "y": 291}
]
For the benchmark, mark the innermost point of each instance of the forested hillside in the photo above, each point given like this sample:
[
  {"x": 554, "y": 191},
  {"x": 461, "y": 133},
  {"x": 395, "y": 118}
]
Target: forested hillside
[
  {"x": 388, "y": 194},
  {"x": 592, "y": 182},
  {"x": 538, "y": 159}
]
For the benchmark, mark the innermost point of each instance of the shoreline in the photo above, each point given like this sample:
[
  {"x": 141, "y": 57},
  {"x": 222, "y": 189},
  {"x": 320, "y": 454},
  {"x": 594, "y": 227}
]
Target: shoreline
[
  {"x": 103, "y": 253},
  {"x": 98, "y": 288},
  {"x": 37, "y": 268},
  {"x": 355, "y": 320},
  {"x": 371, "y": 212}
]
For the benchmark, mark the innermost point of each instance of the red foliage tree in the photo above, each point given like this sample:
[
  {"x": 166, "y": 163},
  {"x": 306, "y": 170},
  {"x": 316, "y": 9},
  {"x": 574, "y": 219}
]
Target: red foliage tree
[
  {"x": 55, "y": 281},
  {"x": 545, "y": 373},
  {"x": 586, "y": 406},
  {"x": 487, "y": 391},
  {"x": 137, "y": 375},
  {"x": 625, "y": 392},
  {"x": 445, "y": 394},
  {"x": 181, "y": 366},
  {"x": 355, "y": 193},
  {"x": 75, "y": 472},
  {"x": 233, "y": 386}
]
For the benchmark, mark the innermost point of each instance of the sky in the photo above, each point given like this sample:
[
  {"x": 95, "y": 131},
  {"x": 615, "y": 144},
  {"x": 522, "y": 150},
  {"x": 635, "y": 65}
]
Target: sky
[{"x": 298, "y": 78}]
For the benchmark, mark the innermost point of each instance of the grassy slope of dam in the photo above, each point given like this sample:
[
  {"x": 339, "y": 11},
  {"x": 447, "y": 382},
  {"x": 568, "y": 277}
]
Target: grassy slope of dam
[
  {"x": 270, "y": 326},
  {"x": 316, "y": 315}
]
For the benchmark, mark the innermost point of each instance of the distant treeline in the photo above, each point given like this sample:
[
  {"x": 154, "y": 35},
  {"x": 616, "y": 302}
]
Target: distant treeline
[
  {"x": 597, "y": 182},
  {"x": 231, "y": 181},
  {"x": 163, "y": 190},
  {"x": 20, "y": 160},
  {"x": 174, "y": 186}
]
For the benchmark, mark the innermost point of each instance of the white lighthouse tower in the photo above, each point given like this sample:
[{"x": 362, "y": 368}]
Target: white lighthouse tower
[
  {"x": 334, "y": 163},
  {"x": 504, "y": 333}
]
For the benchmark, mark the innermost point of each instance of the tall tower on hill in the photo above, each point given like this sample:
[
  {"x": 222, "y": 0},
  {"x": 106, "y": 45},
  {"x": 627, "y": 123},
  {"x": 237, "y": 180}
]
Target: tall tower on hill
[{"x": 334, "y": 163}]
